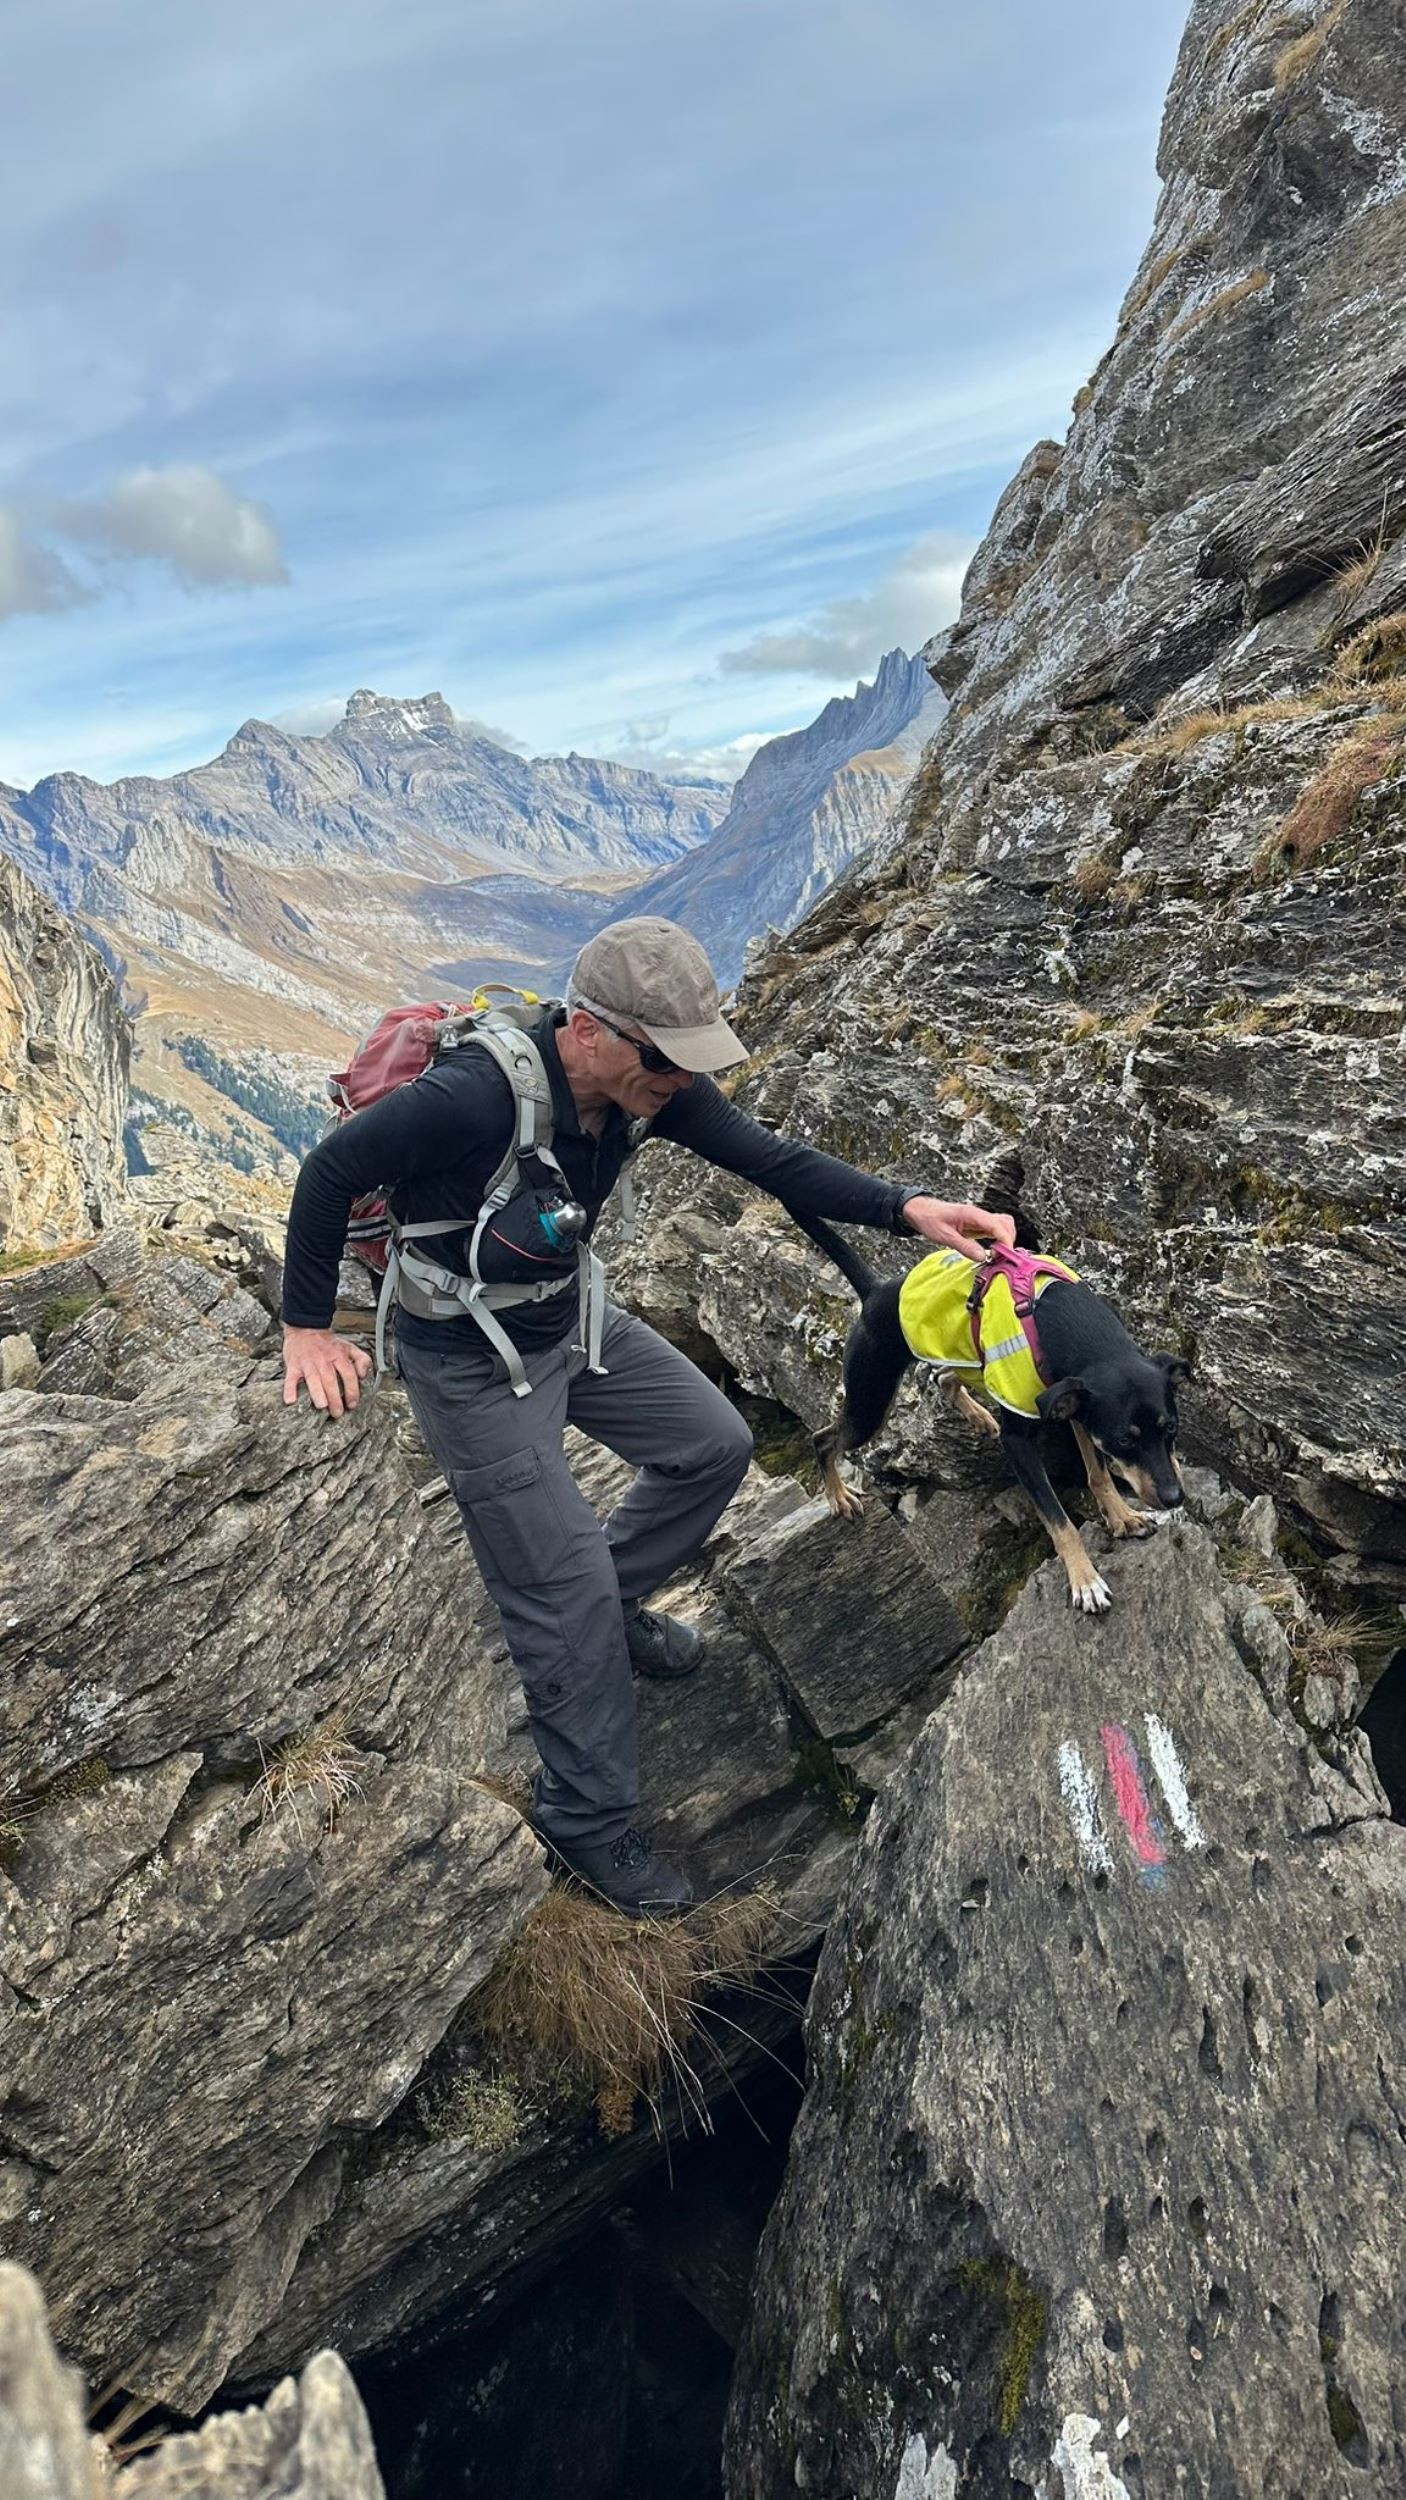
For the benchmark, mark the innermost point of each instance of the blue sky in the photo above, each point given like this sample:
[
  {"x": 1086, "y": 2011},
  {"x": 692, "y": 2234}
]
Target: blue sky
[{"x": 632, "y": 371}]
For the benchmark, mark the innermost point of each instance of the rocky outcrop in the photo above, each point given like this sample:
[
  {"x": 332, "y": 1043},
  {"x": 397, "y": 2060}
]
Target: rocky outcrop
[
  {"x": 1099, "y": 2182},
  {"x": 64, "y": 1049},
  {"x": 806, "y": 806},
  {"x": 1162, "y": 957},
  {"x": 249, "y": 1879},
  {"x": 309, "y": 2442}
]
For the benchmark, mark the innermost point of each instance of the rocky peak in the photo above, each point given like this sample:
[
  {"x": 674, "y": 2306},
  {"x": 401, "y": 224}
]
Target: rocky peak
[
  {"x": 809, "y": 803},
  {"x": 389, "y": 716}
]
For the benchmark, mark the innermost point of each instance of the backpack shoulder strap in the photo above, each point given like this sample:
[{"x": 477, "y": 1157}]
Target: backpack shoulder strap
[{"x": 513, "y": 1049}]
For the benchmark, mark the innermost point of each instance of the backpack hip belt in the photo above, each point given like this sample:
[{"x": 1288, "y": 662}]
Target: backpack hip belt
[{"x": 430, "y": 1291}]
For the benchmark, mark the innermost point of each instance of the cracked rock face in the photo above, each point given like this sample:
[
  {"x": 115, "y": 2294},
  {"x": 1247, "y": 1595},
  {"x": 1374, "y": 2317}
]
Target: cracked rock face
[
  {"x": 1101, "y": 2168},
  {"x": 222, "y": 1961},
  {"x": 1099, "y": 939},
  {"x": 64, "y": 1051}
]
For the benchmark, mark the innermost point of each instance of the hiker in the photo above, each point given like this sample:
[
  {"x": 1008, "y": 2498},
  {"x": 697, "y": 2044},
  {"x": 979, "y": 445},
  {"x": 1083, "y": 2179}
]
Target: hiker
[{"x": 503, "y": 1336}]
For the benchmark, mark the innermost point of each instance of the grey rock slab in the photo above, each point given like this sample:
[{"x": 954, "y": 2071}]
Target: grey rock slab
[
  {"x": 1101, "y": 2168},
  {"x": 200, "y": 1566},
  {"x": 848, "y": 1612},
  {"x": 310, "y": 2441},
  {"x": 264, "y": 1988}
]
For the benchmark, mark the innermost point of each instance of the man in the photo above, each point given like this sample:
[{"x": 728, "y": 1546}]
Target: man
[{"x": 638, "y": 1040}]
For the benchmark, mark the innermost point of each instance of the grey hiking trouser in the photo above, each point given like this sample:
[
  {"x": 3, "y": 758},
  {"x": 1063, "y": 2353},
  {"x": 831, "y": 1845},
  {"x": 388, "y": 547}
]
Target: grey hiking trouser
[{"x": 555, "y": 1573}]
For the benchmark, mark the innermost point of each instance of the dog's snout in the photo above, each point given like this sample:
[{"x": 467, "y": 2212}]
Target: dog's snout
[{"x": 1170, "y": 1496}]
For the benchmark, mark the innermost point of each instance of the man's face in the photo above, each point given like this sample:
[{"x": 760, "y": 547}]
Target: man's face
[{"x": 618, "y": 1072}]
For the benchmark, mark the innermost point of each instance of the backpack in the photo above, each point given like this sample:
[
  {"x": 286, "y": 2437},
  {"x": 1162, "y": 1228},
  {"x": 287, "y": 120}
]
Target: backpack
[{"x": 406, "y": 1042}]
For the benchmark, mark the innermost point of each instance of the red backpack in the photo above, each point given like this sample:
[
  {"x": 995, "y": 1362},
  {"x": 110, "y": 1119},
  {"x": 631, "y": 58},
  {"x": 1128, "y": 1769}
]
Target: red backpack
[{"x": 406, "y": 1042}]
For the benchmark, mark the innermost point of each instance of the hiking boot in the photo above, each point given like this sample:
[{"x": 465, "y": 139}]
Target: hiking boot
[
  {"x": 659, "y": 1645},
  {"x": 627, "y": 1874}
]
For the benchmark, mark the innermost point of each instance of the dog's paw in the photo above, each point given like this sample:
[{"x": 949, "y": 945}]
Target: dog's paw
[
  {"x": 1134, "y": 1523},
  {"x": 844, "y": 1502},
  {"x": 1092, "y": 1597}
]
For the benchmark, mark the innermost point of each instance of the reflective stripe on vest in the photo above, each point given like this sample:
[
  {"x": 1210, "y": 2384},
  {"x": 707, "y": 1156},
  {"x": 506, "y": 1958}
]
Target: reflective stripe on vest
[{"x": 936, "y": 1324}]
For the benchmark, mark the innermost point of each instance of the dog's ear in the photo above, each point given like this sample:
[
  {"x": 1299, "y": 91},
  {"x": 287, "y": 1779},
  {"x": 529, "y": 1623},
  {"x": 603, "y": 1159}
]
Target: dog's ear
[
  {"x": 1174, "y": 1369},
  {"x": 1060, "y": 1403}
]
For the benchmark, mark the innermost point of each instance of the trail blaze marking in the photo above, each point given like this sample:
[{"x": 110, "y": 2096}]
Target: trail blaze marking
[
  {"x": 1146, "y": 1832},
  {"x": 1171, "y": 1779},
  {"x": 1081, "y": 1800},
  {"x": 1125, "y": 1771}
]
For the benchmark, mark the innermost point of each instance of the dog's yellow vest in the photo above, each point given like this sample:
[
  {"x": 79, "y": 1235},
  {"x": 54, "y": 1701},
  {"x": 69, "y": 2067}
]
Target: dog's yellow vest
[{"x": 936, "y": 1323}]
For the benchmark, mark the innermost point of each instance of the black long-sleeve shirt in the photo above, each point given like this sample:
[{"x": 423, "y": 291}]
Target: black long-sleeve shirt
[{"x": 434, "y": 1145}]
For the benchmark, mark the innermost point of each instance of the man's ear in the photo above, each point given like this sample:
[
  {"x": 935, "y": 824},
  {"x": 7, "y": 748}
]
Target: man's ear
[
  {"x": 1062, "y": 1402},
  {"x": 1174, "y": 1368}
]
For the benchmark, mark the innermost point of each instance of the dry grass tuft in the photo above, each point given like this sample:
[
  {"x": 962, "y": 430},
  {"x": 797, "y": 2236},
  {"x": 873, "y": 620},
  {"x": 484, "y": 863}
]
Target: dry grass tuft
[
  {"x": 1180, "y": 736},
  {"x": 314, "y": 1772},
  {"x": 1140, "y": 1019},
  {"x": 1228, "y": 296},
  {"x": 1093, "y": 877},
  {"x": 585, "y": 2000},
  {"x": 1231, "y": 32},
  {"x": 1325, "y": 809},
  {"x": 1329, "y": 1648},
  {"x": 1300, "y": 55},
  {"x": 1161, "y": 268},
  {"x": 1375, "y": 654},
  {"x": 1084, "y": 1024},
  {"x": 1129, "y": 893}
]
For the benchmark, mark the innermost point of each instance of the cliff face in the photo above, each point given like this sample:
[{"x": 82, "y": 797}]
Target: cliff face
[
  {"x": 64, "y": 1049},
  {"x": 1145, "y": 920},
  {"x": 807, "y": 805}
]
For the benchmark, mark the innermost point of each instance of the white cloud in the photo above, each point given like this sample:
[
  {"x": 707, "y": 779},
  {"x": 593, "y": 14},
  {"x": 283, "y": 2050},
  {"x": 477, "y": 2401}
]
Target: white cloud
[
  {"x": 310, "y": 720},
  {"x": 184, "y": 516},
  {"x": 918, "y": 595},
  {"x": 645, "y": 744},
  {"x": 32, "y": 579}
]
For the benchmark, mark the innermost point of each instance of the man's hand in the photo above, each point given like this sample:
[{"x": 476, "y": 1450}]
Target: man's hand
[
  {"x": 962, "y": 1228},
  {"x": 331, "y": 1366}
]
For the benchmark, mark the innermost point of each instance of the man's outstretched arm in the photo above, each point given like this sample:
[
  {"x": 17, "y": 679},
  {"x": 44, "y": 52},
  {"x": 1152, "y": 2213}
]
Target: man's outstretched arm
[{"x": 813, "y": 1183}]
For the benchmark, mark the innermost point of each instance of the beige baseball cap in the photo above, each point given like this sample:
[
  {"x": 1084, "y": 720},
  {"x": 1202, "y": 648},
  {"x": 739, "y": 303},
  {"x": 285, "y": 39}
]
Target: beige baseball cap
[{"x": 654, "y": 975}]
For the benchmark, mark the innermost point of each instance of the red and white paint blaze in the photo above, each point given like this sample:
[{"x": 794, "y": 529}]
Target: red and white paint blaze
[{"x": 1144, "y": 1828}]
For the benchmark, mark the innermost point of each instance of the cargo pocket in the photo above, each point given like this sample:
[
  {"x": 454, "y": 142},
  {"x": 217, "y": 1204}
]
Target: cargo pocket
[{"x": 512, "y": 1510}]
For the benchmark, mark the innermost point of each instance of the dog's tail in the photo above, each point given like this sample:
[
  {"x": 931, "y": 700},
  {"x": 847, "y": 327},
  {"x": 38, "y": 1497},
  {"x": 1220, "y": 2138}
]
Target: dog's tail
[
  {"x": 1000, "y": 1190},
  {"x": 848, "y": 1261}
]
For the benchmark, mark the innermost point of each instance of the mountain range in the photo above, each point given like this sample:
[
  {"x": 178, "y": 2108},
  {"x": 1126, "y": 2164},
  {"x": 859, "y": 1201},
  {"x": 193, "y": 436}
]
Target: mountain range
[{"x": 261, "y": 910}]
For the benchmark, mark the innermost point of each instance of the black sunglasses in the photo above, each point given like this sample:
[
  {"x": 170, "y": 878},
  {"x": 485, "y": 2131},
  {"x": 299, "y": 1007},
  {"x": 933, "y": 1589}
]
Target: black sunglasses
[{"x": 652, "y": 1060}]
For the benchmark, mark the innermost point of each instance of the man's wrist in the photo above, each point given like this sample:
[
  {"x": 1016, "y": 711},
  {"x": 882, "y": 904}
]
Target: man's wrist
[{"x": 900, "y": 1220}]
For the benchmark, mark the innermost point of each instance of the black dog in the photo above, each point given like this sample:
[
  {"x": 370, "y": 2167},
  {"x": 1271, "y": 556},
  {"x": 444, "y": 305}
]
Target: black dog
[{"x": 1120, "y": 1402}]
